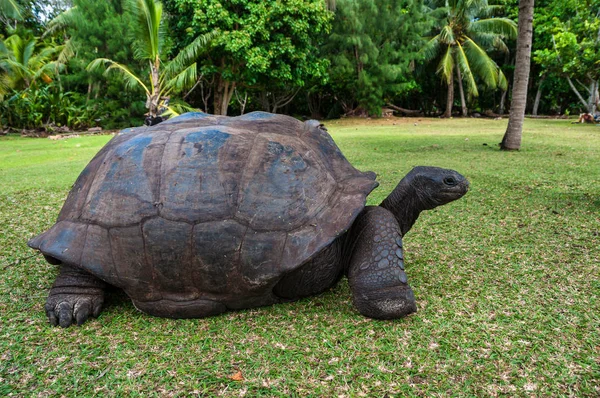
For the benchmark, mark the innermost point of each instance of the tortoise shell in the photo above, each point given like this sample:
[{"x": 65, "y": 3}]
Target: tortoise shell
[{"x": 205, "y": 206}]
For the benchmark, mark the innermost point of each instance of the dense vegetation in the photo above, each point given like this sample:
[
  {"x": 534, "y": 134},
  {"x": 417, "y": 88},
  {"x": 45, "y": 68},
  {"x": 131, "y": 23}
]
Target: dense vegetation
[{"x": 309, "y": 58}]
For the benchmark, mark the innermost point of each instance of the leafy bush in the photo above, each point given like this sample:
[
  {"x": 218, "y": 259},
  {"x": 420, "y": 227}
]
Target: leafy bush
[{"x": 46, "y": 108}]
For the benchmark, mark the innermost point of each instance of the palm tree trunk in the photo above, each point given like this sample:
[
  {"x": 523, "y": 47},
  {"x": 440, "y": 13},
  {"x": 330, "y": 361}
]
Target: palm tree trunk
[
  {"x": 463, "y": 104},
  {"x": 502, "y": 102},
  {"x": 514, "y": 131},
  {"x": 154, "y": 98},
  {"x": 450, "y": 98}
]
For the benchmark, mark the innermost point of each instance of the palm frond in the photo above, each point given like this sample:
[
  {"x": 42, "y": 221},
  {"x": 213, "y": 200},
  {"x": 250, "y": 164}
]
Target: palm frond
[
  {"x": 491, "y": 10},
  {"x": 27, "y": 51},
  {"x": 431, "y": 49},
  {"x": 45, "y": 70},
  {"x": 4, "y": 85},
  {"x": 175, "y": 109},
  {"x": 67, "y": 52},
  {"x": 131, "y": 80},
  {"x": 489, "y": 41},
  {"x": 43, "y": 56},
  {"x": 481, "y": 64},
  {"x": 500, "y": 26},
  {"x": 3, "y": 50},
  {"x": 188, "y": 55},
  {"x": 465, "y": 69},
  {"x": 11, "y": 9},
  {"x": 148, "y": 17},
  {"x": 61, "y": 21},
  {"x": 447, "y": 35},
  {"x": 446, "y": 66},
  {"x": 184, "y": 79},
  {"x": 502, "y": 81}
]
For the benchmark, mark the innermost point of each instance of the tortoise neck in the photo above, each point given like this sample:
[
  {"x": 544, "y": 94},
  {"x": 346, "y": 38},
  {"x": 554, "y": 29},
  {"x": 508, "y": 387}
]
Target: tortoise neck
[{"x": 404, "y": 203}]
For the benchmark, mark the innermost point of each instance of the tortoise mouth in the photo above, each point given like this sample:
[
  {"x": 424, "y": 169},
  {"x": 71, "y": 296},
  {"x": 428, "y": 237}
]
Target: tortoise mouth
[{"x": 454, "y": 192}]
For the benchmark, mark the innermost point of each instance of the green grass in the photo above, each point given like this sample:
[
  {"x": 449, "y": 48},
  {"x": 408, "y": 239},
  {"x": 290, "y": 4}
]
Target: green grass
[{"x": 507, "y": 282}]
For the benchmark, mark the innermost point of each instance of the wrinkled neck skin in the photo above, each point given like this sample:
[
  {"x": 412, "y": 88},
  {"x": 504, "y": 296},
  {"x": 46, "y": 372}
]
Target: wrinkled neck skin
[{"x": 406, "y": 203}]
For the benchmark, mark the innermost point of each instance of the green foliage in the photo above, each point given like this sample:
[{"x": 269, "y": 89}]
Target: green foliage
[
  {"x": 371, "y": 48},
  {"x": 264, "y": 45},
  {"x": 96, "y": 29},
  {"x": 165, "y": 79},
  {"x": 466, "y": 31},
  {"x": 565, "y": 47},
  {"x": 26, "y": 61},
  {"x": 10, "y": 10},
  {"x": 569, "y": 31},
  {"x": 35, "y": 108}
]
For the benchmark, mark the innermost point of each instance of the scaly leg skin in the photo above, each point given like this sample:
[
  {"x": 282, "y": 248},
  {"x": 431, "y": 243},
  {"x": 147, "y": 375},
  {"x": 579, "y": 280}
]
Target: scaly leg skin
[
  {"x": 75, "y": 296},
  {"x": 376, "y": 269}
]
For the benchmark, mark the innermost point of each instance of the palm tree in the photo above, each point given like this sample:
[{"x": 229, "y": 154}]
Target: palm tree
[
  {"x": 24, "y": 61},
  {"x": 512, "y": 137},
  {"x": 466, "y": 30},
  {"x": 165, "y": 77}
]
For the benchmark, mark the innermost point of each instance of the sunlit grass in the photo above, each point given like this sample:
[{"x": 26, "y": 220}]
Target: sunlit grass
[{"x": 507, "y": 282}]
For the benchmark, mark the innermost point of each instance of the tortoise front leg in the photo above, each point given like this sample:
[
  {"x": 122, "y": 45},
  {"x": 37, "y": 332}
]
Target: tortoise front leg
[
  {"x": 376, "y": 268},
  {"x": 75, "y": 296}
]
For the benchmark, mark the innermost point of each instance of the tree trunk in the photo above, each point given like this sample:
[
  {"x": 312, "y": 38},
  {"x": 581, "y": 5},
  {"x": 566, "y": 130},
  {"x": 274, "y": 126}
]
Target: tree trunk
[
  {"x": 153, "y": 99},
  {"x": 223, "y": 93},
  {"x": 514, "y": 131},
  {"x": 502, "y": 102},
  {"x": 450, "y": 99},
  {"x": 538, "y": 96},
  {"x": 593, "y": 98},
  {"x": 89, "y": 91},
  {"x": 463, "y": 103}
]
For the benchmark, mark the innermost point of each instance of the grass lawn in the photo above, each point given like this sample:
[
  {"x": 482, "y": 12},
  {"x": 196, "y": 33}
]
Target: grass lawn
[{"x": 507, "y": 282}]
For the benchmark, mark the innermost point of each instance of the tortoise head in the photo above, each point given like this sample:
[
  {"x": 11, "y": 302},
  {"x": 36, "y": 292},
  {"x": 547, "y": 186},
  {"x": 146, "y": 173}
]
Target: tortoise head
[
  {"x": 424, "y": 188},
  {"x": 435, "y": 186}
]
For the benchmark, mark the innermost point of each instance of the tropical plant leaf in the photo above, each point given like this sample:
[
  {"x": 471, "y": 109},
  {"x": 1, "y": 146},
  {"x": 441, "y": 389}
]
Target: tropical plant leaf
[
  {"x": 188, "y": 55},
  {"x": 148, "y": 33},
  {"x": 431, "y": 49},
  {"x": 502, "y": 82},
  {"x": 446, "y": 66},
  {"x": 61, "y": 21},
  {"x": 466, "y": 73},
  {"x": 184, "y": 79},
  {"x": 131, "y": 80},
  {"x": 447, "y": 35},
  {"x": 500, "y": 26},
  {"x": 11, "y": 9},
  {"x": 481, "y": 64},
  {"x": 489, "y": 41},
  {"x": 177, "y": 108}
]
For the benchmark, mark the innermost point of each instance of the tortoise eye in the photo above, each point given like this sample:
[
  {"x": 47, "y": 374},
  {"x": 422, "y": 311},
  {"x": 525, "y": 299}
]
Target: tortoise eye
[{"x": 450, "y": 181}]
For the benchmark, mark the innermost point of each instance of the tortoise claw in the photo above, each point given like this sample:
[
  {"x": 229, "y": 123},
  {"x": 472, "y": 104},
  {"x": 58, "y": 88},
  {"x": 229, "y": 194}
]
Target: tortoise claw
[{"x": 65, "y": 310}]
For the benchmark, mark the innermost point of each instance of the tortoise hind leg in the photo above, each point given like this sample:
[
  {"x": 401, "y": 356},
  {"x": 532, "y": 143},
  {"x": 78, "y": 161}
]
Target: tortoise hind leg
[
  {"x": 75, "y": 296},
  {"x": 376, "y": 270}
]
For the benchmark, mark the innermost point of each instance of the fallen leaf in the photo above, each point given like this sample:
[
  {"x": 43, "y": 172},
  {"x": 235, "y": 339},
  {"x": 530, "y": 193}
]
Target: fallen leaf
[{"x": 237, "y": 376}]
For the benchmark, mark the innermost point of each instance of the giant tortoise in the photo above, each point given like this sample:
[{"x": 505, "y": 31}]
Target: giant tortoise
[{"x": 203, "y": 214}]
